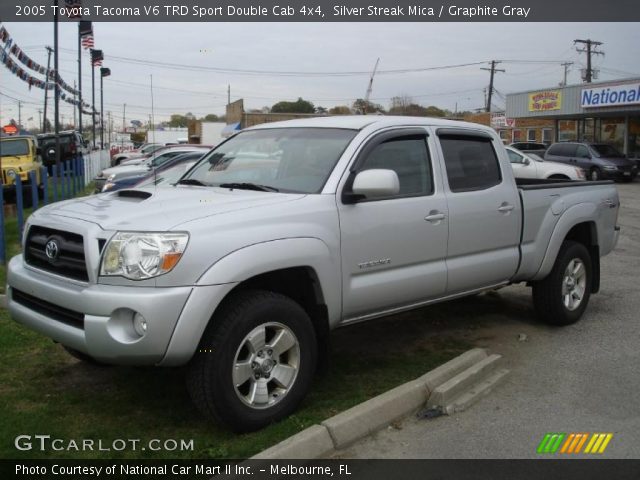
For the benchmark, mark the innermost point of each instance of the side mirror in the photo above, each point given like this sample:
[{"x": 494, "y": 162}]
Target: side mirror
[
  {"x": 376, "y": 183},
  {"x": 526, "y": 161}
]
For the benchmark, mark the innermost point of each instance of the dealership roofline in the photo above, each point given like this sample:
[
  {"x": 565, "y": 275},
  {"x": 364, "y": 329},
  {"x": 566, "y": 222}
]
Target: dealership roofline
[{"x": 583, "y": 85}]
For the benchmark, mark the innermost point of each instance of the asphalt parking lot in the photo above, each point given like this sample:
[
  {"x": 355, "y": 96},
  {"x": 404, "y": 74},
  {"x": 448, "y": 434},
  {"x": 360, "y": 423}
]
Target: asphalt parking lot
[{"x": 580, "y": 378}]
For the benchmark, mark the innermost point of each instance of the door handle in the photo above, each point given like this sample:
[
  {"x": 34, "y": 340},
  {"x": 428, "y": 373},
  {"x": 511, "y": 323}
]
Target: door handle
[
  {"x": 435, "y": 217},
  {"x": 505, "y": 207}
]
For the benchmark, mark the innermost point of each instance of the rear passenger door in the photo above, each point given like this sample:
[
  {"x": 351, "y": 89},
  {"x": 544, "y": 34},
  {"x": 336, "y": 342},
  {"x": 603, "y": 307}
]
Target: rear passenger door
[{"x": 484, "y": 211}]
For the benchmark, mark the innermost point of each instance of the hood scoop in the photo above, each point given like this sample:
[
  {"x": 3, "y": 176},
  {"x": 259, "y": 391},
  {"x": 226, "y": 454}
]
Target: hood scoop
[{"x": 133, "y": 194}]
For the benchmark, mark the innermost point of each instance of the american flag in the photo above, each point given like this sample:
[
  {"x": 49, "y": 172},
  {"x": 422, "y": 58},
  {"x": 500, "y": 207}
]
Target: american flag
[
  {"x": 86, "y": 34},
  {"x": 96, "y": 57}
]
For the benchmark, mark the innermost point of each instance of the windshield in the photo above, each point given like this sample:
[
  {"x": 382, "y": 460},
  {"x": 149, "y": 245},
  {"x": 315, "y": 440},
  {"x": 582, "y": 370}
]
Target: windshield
[
  {"x": 286, "y": 159},
  {"x": 149, "y": 148},
  {"x": 12, "y": 148},
  {"x": 604, "y": 150}
]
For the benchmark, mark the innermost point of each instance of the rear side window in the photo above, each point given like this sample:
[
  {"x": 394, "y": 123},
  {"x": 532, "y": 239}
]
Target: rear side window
[
  {"x": 471, "y": 163},
  {"x": 562, "y": 149}
]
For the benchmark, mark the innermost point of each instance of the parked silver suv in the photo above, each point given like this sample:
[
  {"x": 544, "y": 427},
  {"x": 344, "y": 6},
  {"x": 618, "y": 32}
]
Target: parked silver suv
[{"x": 599, "y": 160}]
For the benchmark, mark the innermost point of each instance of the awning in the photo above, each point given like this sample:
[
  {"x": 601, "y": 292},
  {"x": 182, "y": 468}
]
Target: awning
[{"x": 230, "y": 129}]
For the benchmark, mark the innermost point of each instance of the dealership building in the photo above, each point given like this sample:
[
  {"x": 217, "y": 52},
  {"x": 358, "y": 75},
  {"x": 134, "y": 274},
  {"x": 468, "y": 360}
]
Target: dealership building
[{"x": 607, "y": 112}]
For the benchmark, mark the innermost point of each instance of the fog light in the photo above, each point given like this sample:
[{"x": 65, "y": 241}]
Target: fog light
[{"x": 140, "y": 324}]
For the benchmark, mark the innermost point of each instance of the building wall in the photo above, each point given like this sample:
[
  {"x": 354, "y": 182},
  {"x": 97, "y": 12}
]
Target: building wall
[{"x": 520, "y": 130}]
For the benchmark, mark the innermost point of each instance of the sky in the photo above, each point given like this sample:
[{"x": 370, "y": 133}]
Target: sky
[{"x": 531, "y": 55}]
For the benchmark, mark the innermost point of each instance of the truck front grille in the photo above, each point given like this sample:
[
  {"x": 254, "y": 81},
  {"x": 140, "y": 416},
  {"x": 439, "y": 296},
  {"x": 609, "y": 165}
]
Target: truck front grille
[
  {"x": 55, "y": 312},
  {"x": 65, "y": 256}
]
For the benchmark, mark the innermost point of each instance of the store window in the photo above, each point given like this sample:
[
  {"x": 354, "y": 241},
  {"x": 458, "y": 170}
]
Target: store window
[
  {"x": 547, "y": 136},
  {"x": 531, "y": 135},
  {"x": 517, "y": 135}
]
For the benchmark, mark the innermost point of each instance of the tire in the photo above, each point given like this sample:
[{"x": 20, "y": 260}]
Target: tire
[
  {"x": 276, "y": 372},
  {"x": 595, "y": 174},
  {"x": 83, "y": 357},
  {"x": 562, "y": 297}
]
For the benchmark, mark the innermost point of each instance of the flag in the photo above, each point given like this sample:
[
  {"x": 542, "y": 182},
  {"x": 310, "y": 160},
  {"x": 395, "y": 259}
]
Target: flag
[
  {"x": 87, "y": 41},
  {"x": 105, "y": 72},
  {"x": 96, "y": 57},
  {"x": 85, "y": 30}
]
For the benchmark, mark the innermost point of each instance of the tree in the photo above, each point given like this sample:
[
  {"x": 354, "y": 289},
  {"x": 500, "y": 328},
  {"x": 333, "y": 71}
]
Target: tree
[
  {"x": 321, "y": 110},
  {"x": 364, "y": 106},
  {"x": 299, "y": 106},
  {"x": 435, "y": 112},
  {"x": 405, "y": 105},
  {"x": 340, "y": 110},
  {"x": 212, "y": 117},
  {"x": 178, "y": 121}
]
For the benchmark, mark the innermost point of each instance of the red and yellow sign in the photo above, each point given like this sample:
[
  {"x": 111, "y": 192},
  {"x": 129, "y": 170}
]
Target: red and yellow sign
[{"x": 545, "y": 101}]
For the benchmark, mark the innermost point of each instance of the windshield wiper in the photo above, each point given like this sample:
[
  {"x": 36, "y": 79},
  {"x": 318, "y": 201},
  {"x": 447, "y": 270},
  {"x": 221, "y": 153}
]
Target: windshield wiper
[
  {"x": 249, "y": 186},
  {"x": 191, "y": 181}
]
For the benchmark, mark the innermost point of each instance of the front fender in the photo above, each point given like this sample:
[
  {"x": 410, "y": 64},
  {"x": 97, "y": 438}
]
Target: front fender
[
  {"x": 580, "y": 213},
  {"x": 264, "y": 257},
  {"x": 220, "y": 279}
]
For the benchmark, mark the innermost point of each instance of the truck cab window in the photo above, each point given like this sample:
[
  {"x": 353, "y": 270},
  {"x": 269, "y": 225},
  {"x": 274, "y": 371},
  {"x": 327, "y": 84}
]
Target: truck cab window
[
  {"x": 409, "y": 158},
  {"x": 471, "y": 163}
]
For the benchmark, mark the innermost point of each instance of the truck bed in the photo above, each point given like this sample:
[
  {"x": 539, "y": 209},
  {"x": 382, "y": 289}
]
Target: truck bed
[{"x": 548, "y": 204}]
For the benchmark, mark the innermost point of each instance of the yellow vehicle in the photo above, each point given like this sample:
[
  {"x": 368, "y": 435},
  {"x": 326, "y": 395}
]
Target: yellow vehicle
[{"x": 18, "y": 157}]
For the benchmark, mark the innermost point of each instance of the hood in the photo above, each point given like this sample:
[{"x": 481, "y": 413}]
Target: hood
[
  {"x": 120, "y": 169},
  {"x": 161, "y": 209}
]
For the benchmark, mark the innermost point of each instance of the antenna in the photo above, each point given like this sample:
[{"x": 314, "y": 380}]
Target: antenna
[{"x": 370, "y": 86}]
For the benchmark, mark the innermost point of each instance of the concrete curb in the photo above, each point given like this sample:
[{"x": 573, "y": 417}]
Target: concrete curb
[
  {"x": 3, "y": 300},
  {"x": 362, "y": 420}
]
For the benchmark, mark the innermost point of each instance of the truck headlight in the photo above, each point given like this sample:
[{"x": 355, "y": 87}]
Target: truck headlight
[
  {"x": 141, "y": 255},
  {"x": 12, "y": 173}
]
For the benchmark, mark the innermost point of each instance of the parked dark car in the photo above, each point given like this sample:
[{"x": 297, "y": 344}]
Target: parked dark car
[
  {"x": 71, "y": 144},
  {"x": 185, "y": 159},
  {"x": 600, "y": 160}
]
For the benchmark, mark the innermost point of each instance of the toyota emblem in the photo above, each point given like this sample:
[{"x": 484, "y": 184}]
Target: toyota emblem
[{"x": 52, "y": 250}]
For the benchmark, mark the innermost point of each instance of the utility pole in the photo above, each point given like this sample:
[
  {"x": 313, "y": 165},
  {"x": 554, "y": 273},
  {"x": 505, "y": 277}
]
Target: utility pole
[
  {"x": 566, "y": 66},
  {"x": 493, "y": 70},
  {"x": 229, "y": 94},
  {"x": 124, "y": 109},
  {"x": 74, "y": 108},
  {"x": 46, "y": 88},
  {"x": 40, "y": 116},
  {"x": 19, "y": 114},
  {"x": 79, "y": 81},
  {"x": 56, "y": 91},
  {"x": 589, "y": 73}
]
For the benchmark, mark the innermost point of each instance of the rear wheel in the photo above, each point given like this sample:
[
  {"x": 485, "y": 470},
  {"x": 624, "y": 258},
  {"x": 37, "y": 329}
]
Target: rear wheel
[
  {"x": 255, "y": 361},
  {"x": 562, "y": 297}
]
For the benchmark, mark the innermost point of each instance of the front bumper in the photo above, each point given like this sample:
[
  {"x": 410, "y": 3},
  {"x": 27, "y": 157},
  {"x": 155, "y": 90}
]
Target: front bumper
[
  {"x": 104, "y": 329},
  {"x": 620, "y": 174}
]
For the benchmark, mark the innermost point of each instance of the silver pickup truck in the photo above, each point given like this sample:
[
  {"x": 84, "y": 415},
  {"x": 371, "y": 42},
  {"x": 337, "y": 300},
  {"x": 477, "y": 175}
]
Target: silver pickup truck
[{"x": 288, "y": 230}]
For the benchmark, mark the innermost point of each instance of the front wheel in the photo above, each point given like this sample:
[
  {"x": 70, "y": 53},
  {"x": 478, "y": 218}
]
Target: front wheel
[
  {"x": 562, "y": 297},
  {"x": 595, "y": 174},
  {"x": 255, "y": 362}
]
